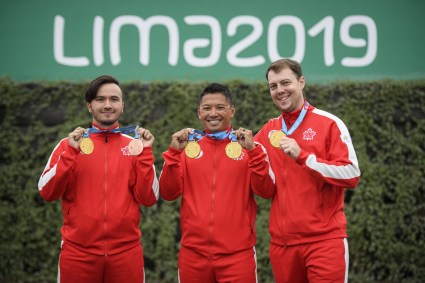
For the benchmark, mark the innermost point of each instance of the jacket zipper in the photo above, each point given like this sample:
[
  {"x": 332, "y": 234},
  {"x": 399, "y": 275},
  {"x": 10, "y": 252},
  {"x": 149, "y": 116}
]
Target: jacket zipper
[
  {"x": 283, "y": 197},
  {"x": 212, "y": 202},
  {"x": 105, "y": 191}
]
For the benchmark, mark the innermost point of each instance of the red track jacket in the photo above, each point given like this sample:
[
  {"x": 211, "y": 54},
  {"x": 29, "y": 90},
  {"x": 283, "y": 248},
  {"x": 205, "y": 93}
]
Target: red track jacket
[
  {"x": 309, "y": 202},
  {"x": 101, "y": 192},
  {"x": 218, "y": 209}
]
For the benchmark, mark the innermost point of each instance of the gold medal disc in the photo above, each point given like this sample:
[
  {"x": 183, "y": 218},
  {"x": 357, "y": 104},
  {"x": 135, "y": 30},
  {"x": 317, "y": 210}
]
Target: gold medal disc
[
  {"x": 276, "y": 137},
  {"x": 135, "y": 147},
  {"x": 86, "y": 145},
  {"x": 233, "y": 150},
  {"x": 192, "y": 149}
]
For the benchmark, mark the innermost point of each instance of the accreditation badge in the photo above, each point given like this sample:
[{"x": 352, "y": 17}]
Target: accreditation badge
[
  {"x": 233, "y": 150},
  {"x": 275, "y": 137},
  {"x": 86, "y": 145},
  {"x": 135, "y": 147},
  {"x": 192, "y": 149}
]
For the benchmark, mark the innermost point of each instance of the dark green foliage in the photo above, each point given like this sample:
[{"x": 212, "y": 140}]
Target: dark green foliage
[{"x": 386, "y": 213}]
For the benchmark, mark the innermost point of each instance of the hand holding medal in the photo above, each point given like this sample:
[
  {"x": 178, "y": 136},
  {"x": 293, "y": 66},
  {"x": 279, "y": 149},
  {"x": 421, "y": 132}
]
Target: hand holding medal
[
  {"x": 192, "y": 148},
  {"x": 245, "y": 138},
  {"x": 135, "y": 147},
  {"x": 275, "y": 137},
  {"x": 80, "y": 139},
  {"x": 234, "y": 148},
  {"x": 290, "y": 147},
  {"x": 278, "y": 135}
]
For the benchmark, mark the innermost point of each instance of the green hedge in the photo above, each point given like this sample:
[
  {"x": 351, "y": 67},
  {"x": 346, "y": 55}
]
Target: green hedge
[{"x": 386, "y": 213}]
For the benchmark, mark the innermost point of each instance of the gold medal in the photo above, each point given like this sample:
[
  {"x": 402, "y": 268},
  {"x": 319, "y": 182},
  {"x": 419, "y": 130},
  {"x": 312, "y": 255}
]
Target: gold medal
[
  {"x": 135, "y": 147},
  {"x": 86, "y": 145},
  {"x": 192, "y": 149},
  {"x": 276, "y": 137},
  {"x": 233, "y": 150}
]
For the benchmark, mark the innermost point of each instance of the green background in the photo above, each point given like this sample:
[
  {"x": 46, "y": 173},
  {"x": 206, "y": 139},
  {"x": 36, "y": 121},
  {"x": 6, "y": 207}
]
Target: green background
[
  {"x": 385, "y": 213},
  {"x": 26, "y": 45}
]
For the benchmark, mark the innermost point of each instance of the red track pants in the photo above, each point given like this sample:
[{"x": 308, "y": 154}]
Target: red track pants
[
  {"x": 318, "y": 262},
  {"x": 78, "y": 266},
  {"x": 239, "y": 267}
]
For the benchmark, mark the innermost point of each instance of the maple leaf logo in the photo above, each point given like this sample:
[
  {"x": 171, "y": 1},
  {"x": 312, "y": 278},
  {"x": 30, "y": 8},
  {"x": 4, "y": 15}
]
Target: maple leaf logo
[
  {"x": 125, "y": 151},
  {"x": 309, "y": 135}
]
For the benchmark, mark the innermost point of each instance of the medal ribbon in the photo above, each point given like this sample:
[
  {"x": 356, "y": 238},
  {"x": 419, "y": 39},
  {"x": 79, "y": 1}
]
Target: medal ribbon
[
  {"x": 220, "y": 135},
  {"x": 232, "y": 137},
  {"x": 198, "y": 135},
  {"x": 297, "y": 122},
  {"x": 124, "y": 130}
]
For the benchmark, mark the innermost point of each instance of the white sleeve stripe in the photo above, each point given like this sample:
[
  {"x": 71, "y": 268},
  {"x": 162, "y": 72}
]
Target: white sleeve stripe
[
  {"x": 46, "y": 178},
  {"x": 271, "y": 173},
  {"x": 339, "y": 172},
  {"x": 51, "y": 155},
  {"x": 155, "y": 184},
  {"x": 333, "y": 171}
]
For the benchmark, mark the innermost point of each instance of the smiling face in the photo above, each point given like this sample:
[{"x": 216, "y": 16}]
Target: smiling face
[
  {"x": 215, "y": 112},
  {"x": 107, "y": 106},
  {"x": 286, "y": 90}
]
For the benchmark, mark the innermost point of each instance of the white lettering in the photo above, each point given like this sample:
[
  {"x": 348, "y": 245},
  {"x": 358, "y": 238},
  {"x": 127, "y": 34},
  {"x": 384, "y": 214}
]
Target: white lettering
[
  {"x": 58, "y": 46},
  {"x": 98, "y": 56},
  {"x": 233, "y": 52},
  {"x": 272, "y": 44},
  {"x": 372, "y": 37},
  {"x": 144, "y": 28},
  {"x": 192, "y": 44},
  {"x": 327, "y": 25},
  {"x": 275, "y": 47}
]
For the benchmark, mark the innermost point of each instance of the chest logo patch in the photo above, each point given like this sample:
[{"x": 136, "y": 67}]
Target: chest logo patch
[
  {"x": 309, "y": 135},
  {"x": 125, "y": 151},
  {"x": 240, "y": 156}
]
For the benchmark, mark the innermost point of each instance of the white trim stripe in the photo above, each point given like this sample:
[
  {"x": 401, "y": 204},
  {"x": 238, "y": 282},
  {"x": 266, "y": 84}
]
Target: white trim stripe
[
  {"x": 271, "y": 173},
  {"x": 155, "y": 184},
  {"x": 255, "y": 260},
  {"x": 59, "y": 265},
  {"x": 347, "y": 259}
]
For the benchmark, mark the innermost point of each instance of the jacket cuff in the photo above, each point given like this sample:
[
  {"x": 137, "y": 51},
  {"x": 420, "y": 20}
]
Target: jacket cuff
[
  {"x": 147, "y": 151},
  {"x": 302, "y": 158},
  {"x": 172, "y": 155},
  {"x": 73, "y": 151},
  {"x": 257, "y": 150}
]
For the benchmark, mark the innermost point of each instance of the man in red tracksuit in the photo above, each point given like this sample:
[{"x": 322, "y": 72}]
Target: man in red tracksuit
[
  {"x": 101, "y": 182},
  {"x": 313, "y": 158},
  {"x": 218, "y": 209}
]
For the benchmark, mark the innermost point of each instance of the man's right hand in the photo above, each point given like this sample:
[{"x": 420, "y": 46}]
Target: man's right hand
[
  {"x": 180, "y": 138},
  {"x": 74, "y": 138}
]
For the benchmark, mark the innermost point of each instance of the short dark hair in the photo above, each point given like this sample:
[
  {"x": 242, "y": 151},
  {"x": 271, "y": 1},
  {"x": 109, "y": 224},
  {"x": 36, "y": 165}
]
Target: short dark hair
[
  {"x": 281, "y": 64},
  {"x": 96, "y": 84},
  {"x": 216, "y": 88}
]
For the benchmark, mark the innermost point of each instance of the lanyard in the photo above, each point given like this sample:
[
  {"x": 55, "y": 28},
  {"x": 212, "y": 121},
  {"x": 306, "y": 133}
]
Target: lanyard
[
  {"x": 124, "y": 130},
  {"x": 297, "y": 122}
]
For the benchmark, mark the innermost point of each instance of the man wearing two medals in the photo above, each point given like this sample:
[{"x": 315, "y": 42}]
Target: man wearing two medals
[
  {"x": 310, "y": 151},
  {"x": 102, "y": 175},
  {"x": 217, "y": 171}
]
